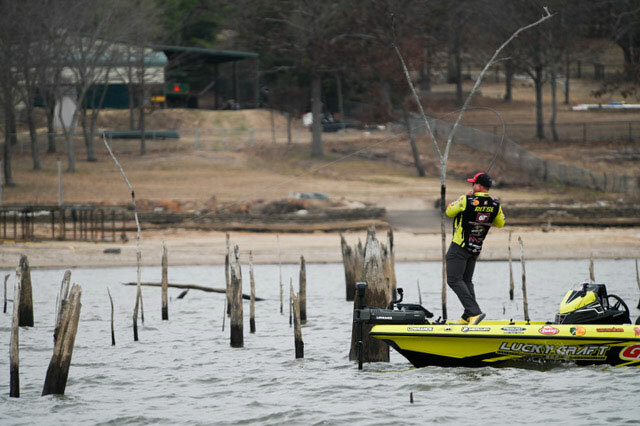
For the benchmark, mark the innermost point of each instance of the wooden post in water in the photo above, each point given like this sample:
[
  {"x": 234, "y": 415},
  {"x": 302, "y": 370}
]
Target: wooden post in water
[
  {"x": 280, "y": 271},
  {"x": 58, "y": 371},
  {"x": 592, "y": 276},
  {"x": 638, "y": 281},
  {"x": 302, "y": 291},
  {"x": 4, "y": 304},
  {"x": 392, "y": 262},
  {"x": 14, "y": 358},
  {"x": 165, "y": 283},
  {"x": 378, "y": 294},
  {"x": 62, "y": 296},
  {"x": 510, "y": 270},
  {"x": 252, "y": 303},
  {"x": 113, "y": 332},
  {"x": 237, "y": 337},
  {"x": 348, "y": 262},
  {"x": 290, "y": 305},
  {"x": 525, "y": 304},
  {"x": 297, "y": 330},
  {"x": 227, "y": 260},
  {"x": 25, "y": 315},
  {"x": 419, "y": 293}
]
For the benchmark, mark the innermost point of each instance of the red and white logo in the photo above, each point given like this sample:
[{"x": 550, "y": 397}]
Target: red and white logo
[
  {"x": 547, "y": 330},
  {"x": 631, "y": 353},
  {"x": 482, "y": 217}
]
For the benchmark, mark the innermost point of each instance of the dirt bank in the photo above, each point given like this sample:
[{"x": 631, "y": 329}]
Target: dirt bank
[{"x": 208, "y": 248}]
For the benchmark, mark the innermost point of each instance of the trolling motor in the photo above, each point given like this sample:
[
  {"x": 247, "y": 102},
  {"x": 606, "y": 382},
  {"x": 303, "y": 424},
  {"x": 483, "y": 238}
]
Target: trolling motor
[{"x": 406, "y": 313}]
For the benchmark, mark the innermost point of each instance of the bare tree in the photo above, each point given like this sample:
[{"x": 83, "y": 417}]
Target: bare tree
[{"x": 444, "y": 156}]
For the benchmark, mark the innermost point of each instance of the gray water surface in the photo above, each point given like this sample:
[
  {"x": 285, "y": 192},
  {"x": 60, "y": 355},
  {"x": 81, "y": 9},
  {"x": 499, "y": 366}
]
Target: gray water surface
[{"x": 183, "y": 371}]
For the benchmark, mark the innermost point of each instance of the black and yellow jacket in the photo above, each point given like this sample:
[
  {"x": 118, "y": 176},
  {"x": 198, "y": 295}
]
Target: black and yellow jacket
[{"x": 473, "y": 216}]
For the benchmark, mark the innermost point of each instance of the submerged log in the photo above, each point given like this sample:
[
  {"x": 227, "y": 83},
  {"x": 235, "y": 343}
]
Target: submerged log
[
  {"x": 378, "y": 295},
  {"x": 165, "y": 283},
  {"x": 58, "y": 371},
  {"x": 25, "y": 315},
  {"x": 192, "y": 287},
  {"x": 297, "y": 330},
  {"x": 236, "y": 326},
  {"x": 14, "y": 358}
]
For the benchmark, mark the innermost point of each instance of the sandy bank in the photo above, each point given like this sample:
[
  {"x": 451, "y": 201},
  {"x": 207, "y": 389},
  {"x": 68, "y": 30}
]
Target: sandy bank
[{"x": 205, "y": 248}]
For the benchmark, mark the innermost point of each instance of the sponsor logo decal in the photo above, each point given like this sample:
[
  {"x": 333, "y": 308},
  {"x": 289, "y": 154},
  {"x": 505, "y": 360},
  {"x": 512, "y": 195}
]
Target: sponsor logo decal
[
  {"x": 475, "y": 202},
  {"x": 610, "y": 330},
  {"x": 419, "y": 328},
  {"x": 467, "y": 329},
  {"x": 513, "y": 330},
  {"x": 637, "y": 331},
  {"x": 631, "y": 353},
  {"x": 571, "y": 352},
  {"x": 447, "y": 329},
  {"x": 547, "y": 330},
  {"x": 577, "y": 331},
  {"x": 482, "y": 217}
]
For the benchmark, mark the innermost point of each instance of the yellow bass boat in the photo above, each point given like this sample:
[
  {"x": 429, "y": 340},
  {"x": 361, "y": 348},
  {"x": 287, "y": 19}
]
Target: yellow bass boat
[{"x": 588, "y": 329}]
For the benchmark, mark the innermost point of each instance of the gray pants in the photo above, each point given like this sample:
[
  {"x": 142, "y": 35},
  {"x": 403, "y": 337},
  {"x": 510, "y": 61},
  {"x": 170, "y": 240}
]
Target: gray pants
[{"x": 460, "y": 267}]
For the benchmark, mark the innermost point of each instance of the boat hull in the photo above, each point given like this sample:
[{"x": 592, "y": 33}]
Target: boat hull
[{"x": 495, "y": 343}]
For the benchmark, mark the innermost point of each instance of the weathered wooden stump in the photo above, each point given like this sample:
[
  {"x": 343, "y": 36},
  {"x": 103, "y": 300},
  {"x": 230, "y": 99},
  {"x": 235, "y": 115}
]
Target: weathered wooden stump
[
  {"x": 58, "y": 371},
  {"x": 510, "y": 269},
  {"x": 14, "y": 358},
  {"x": 352, "y": 260},
  {"x": 237, "y": 337},
  {"x": 4, "y": 304},
  {"x": 302, "y": 290},
  {"x": 165, "y": 284},
  {"x": 252, "y": 303},
  {"x": 525, "y": 304},
  {"x": 113, "y": 331},
  {"x": 62, "y": 296},
  {"x": 25, "y": 315},
  {"x": 297, "y": 330},
  {"x": 378, "y": 295}
]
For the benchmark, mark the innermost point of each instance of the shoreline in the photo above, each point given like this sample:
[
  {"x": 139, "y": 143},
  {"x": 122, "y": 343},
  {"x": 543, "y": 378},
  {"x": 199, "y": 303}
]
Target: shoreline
[{"x": 188, "y": 247}]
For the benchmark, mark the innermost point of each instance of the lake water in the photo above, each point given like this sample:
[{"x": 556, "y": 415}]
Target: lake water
[{"x": 183, "y": 371}]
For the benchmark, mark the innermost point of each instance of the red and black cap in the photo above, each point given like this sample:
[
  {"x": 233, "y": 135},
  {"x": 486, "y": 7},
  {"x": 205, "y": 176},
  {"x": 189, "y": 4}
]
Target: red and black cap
[{"x": 481, "y": 178}]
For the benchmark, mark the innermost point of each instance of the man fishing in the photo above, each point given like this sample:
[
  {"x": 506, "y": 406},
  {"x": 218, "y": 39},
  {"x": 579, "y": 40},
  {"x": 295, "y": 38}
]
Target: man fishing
[{"x": 474, "y": 214}]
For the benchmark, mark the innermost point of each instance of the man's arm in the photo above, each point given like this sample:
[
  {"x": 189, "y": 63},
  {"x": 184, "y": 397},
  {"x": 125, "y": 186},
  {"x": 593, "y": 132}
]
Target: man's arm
[{"x": 457, "y": 206}]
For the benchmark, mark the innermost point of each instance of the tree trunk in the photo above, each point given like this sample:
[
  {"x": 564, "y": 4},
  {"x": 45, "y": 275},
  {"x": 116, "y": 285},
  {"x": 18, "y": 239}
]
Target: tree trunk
[
  {"x": 539, "y": 117},
  {"x": 567, "y": 72},
  {"x": 508, "y": 78},
  {"x": 33, "y": 133},
  {"x": 316, "y": 112},
  {"x": 458, "y": 69},
  {"x": 554, "y": 105},
  {"x": 6, "y": 164},
  {"x": 414, "y": 147},
  {"x": 141, "y": 123},
  {"x": 340, "y": 99},
  {"x": 425, "y": 71},
  {"x": 51, "y": 131}
]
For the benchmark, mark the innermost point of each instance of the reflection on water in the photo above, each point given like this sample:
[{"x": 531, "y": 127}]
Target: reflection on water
[{"x": 183, "y": 371}]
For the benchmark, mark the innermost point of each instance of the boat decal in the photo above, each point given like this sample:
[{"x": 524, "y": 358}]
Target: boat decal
[
  {"x": 547, "y": 330},
  {"x": 467, "y": 329},
  {"x": 577, "y": 331},
  {"x": 419, "y": 328},
  {"x": 610, "y": 330},
  {"x": 630, "y": 353},
  {"x": 574, "y": 352},
  {"x": 636, "y": 331},
  {"x": 514, "y": 330}
]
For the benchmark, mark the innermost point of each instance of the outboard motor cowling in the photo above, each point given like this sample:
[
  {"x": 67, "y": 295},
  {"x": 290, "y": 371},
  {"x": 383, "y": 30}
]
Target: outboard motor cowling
[{"x": 591, "y": 305}]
